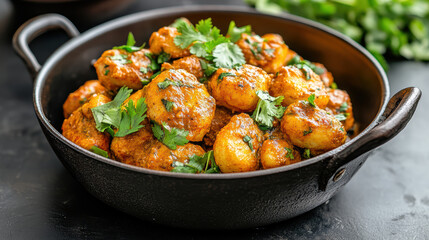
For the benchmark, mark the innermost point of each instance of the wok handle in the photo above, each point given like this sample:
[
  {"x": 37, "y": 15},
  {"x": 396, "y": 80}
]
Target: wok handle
[
  {"x": 398, "y": 112},
  {"x": 34, "y": 28}
]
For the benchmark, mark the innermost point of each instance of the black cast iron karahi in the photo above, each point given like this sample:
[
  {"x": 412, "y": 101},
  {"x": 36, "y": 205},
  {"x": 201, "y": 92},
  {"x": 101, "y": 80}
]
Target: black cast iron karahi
[{"x": 221, "y": 201}]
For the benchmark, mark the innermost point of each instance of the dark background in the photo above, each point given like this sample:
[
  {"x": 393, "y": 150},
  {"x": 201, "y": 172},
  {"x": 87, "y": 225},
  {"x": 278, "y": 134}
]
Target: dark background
[{"x": 387, "y": 199}]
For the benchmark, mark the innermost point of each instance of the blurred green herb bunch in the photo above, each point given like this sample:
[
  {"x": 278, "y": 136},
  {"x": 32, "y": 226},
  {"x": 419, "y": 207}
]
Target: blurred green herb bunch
[{"x": 384, "y": 27}]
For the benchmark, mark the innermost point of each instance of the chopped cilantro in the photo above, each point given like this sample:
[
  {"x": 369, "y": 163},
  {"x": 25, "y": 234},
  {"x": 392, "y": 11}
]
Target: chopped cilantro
[
  {"x": 311, "y": 99},
  {"x": 120, "y": 59},
  {"x": 228, "y": 55},
  {"x": 306, "y": 154},
  {"x": 167, "y": 82},
  {"x": 163, "y": 57},
  {"x": 179, "y": 21},
  {"x": 153, "y": 66},
  {"x": 167, "y": 104},
  {"x": 208, "y": 68},
  {"x": 341, "y": 116},
  {"x": 143, "y": 70},
  {"x": 225, "y": 74},
  {"x": 170, "y": 137},
  {"x": 247, "y": 139},
  {"x": 344, "y": 106},
  {"x": 144, "y": 81},
  {"x": 267, "y": 109},
  {"x": 235, "y": 33},
  {"x": 154, "y": 75},
  {"x": 289, "y": 153},
  {"x": 129, "y": 47},
  {"x": 270, "y": 51},
  {"x": 197, "y": 164},
  {"x": 306, "y": 66},
  {"x": 334, "y": 86},
  {"x": 132, "y": 117},
  {"x": 308, "y": 131},
  {"x": 106, "y": 72},
  {"x": 99, "y": 151}
]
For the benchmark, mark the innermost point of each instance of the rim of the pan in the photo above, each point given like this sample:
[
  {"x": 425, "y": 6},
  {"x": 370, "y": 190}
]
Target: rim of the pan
[{"x": 146, "y": 15}]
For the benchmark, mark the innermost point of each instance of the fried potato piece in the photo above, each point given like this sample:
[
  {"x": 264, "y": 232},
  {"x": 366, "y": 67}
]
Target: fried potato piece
[
  {"x": 311, "y": 127},
  {"x": 269, "y": 52},
  {"x": 163, "y": 41},
  {"x": 221, "y": 118},
  {"x": 292, "y": 83},
  {"x": 236, "y": 88},
  {"x": 80, "y": 126},
  {"x": 340, "y": 103},
  {"x": 237, "y": 145},
  {"x": 277, "y": 153},
  {"x": 191, "y": 64},
  {"x": 81, "y": 96},
  {"x": 175, "y": 97},
  {"x": 116, "y": 68}
]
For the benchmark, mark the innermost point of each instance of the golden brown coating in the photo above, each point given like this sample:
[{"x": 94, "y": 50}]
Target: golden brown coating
[
  {"x": 311, "y": 127},
  {"x": 269, "y": 52},
  {"x": 81, "y": 96},
  {"x": 132, "y": 149},
  {"x": 160, "y": 157},
  {"x": 117, "y": 68},
  {"x": 80, "y": 126},
  {"x": 191, "y": 64},
  {"x": 236, "y": 88},
  {"x": 340, "y": 103},
  {"x": 277, "y": 153},
  {"x": 326, "y": 76},
  {"x": 237, "y": 144},
  {"x": 163, "y": 41},
  {"x": 221, "y": 118},
  {"x": 292, "y": 83},
  {"x": 184, "y": 103}
]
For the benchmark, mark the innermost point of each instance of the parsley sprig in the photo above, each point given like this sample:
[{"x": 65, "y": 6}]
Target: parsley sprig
[
  {"x": 267, "y": 109},
  {"x": 170, "y": 137},
  {"x": 197, "y": 164},
  {"x": 111, "y": 115},
  {"x": 129, "y": 47}
]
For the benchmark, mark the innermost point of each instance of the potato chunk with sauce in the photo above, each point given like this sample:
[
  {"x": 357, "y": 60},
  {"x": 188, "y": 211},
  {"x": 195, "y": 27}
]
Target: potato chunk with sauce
[
  {"x": 163, "y": 41},
  {"x": 268, "y": 52},
  {"x": 221, "y": 118},
  {"x": 82, "y": 95},
  {"x": 80, "y": 126},
  {"x": 310, "y": 127},
  {"x": 237, "y": 145},
  {"x": 117, "y": 68},
  {"x": 297, "y": 84},
  {"x": 175, "y": 97},
  {"x": 277, "y": 153},
  {"x": 236, "y": 88},
  {"x": 191, "y": 64},
  {"x": 340, "y": 103}
]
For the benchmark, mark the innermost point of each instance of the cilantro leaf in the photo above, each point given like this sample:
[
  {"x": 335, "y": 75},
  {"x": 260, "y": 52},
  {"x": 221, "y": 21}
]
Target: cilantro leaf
[
  {"x": 179, "y": 21},
  {"x": 99, "y": 151},
  {"x": 306, "y": 132},
  {"x": 108, "y": 114},
  {"x": 120, "y": 59},
  {"x": 306, "y": 154},
  {"x": 188, "y": 35},
  {"x": 170, "y": 137},
  {"x": 167, "y": 82},
  {"x": 247, "y": 139},
  {"x": 197, "y": 164},
  {"x": 228, "y": 55},
  {"x": 234, "y": 32},
  {"x": 311, "y": 99},
  {"x": 131, "y": 118},
  {"x": 163, "y": 57},
  {"x": 341, "y": 116},
  {"x": 289, "y": 153},
  {"x": 153, "y": 66},
  {"x": 208, "y": 68},
  {"x": 167, "y": 104},
  {"x": 129, "y": 47},
  {"x": 344, "y": 106},
  {"x": 267, "y": 109},
  {"x": 226, "y": 74},
  {"x": 334, "y": 86}
]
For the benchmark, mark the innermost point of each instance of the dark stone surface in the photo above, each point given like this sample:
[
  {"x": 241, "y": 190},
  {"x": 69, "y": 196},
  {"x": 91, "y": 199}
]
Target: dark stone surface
[{"x": 387, "y": 199}]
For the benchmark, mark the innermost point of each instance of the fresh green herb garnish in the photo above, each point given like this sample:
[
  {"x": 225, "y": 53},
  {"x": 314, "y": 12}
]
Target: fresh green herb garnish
[
  {"x": 225, "y": 74},
  {"x": 308, "y": 131},
  {"x": 306, "y": 154},
  {"x": 167, "y": 104},
  {"x": 334, "y": 86},
  {"x": 120, "y": 59},
  {"x": 305, "y": 66},
  {"x": 106, "y": 72},
  {"x": 129, "y": 47},
  {"x": 132, "y": 117},
  {"x": 247, "y": 139},
  {"x": 311, "y": 99},
  {"x": 167, "y": 82},
  {"x": 344, "y": 106},
  {"x": 208, "y": 68},
  {"x": 341, "y": 116},
  {"x": 267, "y": 109},
  {"x": 99, "y": 151},
  {"x": 289, "y": 153},
  {"x": 163, "y": 57},
  {"x": 197, "y": 164},
  {"x": 170, "y": 137},
  {"x": 153, "y": 66},
  {"x": 154, "y": 75},
  {"x": 143, "y": 70},
  {"x": 270, "y": 51},
  {"x": 144, "y": 81},
  {"x": 109, "y": 114},
  {"x": 234, "y": 32}
]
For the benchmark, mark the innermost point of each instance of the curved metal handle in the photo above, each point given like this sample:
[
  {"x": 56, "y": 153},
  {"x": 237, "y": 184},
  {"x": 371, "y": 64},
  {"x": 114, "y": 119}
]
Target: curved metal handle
[
  {"x": 34, "y": 28},
  {"x": 398, "y": 112}
]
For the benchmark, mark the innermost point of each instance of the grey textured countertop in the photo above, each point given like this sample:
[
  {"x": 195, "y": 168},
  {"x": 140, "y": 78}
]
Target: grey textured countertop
[{"x": 387, "y": 199}]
